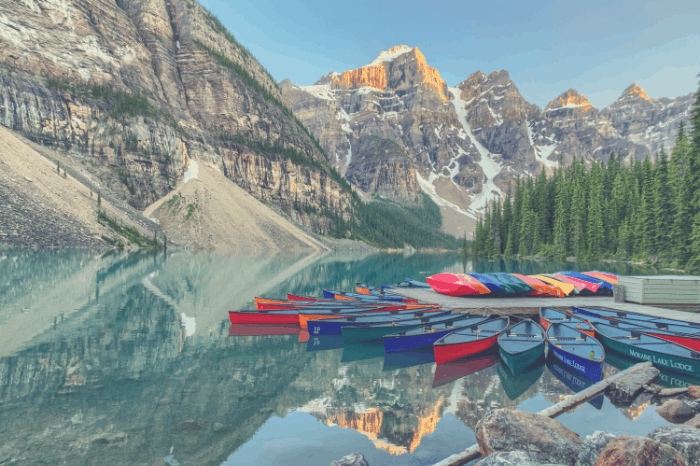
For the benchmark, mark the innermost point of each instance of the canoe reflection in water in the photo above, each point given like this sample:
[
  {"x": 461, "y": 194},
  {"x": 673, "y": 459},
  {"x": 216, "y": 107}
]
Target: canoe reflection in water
[
  {"x": 574, "y": 380},
  {"x": 263, "y": 330},
  {"x": 324, "y": 342},
  {"x": 516, "y": 385},
  {"x": 403, "y": 359},
  {"x": 451, "y": 371}
]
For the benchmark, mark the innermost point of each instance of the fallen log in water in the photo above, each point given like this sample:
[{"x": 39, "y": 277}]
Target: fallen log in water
[{"x": 553, "y": 411}]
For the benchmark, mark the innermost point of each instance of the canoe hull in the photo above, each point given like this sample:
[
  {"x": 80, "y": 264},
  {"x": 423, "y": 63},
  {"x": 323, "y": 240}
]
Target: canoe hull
[
  {"x": 450, "y": 285},
  {"x": 675, "y": 363},
  {"x": 688, "y": 341},
  {"x": 447, "y": 353},
  {"x": 407, "y": 343},
  {"x": 362, "y": 333},
  {"x": 583, "y": 366},
  {"x": 518, "y": 362},
  {"x": 262, "y": 318}
]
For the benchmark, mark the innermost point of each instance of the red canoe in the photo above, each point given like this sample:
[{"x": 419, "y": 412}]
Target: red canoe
[
  {"x": 469, "y": 341},
  {"x": 264, "y": 317},
  {"x": 587, "y": 285},
  {"x": 451, "y": 284},
  {"x": 263, "y": 330}
]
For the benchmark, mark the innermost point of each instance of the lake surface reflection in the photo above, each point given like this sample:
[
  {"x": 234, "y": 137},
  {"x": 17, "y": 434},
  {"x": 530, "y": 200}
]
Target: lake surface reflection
[{"x": 117, "y": 359}]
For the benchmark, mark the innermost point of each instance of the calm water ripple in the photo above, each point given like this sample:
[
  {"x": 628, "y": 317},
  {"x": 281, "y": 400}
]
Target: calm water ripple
[{"x": 129, "y": 359}]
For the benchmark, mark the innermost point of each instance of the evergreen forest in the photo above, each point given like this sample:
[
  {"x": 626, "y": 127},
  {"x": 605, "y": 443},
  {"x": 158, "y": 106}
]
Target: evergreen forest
[{"x": 645, "y": 211}]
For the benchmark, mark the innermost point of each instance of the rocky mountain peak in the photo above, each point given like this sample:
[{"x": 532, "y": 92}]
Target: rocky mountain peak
[
  {"x": 398, "y": 68},
  {"x": 634, "y": 91},
  {"x": 569, "y": 99}
]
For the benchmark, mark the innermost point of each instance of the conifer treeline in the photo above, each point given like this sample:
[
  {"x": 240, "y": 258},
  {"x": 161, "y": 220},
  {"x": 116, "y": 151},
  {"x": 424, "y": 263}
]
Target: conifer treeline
[{"x": 646, "y": 211}]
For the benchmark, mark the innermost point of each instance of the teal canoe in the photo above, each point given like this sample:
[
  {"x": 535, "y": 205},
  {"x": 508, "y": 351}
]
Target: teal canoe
[
  {"x": 642, "y": 347},
  {"x": 521, "y": 345}
]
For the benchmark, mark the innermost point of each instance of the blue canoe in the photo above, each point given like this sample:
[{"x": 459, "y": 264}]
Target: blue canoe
[
  {"x": 331, "y": 294},
  {"x": 576, "y": 350},
  {"x": 416, "y": 284},
  {"x": 488, "y": 283},
  {"x": 506, "y": 288},
  {"x": 587, "y": 278},
  {"x": 427, "y": 335},
  {"x": 335, "y": 326}
]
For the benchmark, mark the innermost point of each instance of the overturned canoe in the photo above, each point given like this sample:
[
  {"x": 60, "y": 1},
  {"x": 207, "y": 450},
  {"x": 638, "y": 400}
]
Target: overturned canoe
[
  {"x": 451, "y": 284},
  {"x": 566, "y": 288}
]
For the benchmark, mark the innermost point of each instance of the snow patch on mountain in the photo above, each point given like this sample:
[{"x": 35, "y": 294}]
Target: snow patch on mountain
[
  {"x": 543, "y": 152},
  {"x": 341, "y": 116},
  {"x": 388, "y": 55},
  {"x": 320, "y": 91},
  {"x": 429, "y": 188},
  {"x": 348, "y": 157}
]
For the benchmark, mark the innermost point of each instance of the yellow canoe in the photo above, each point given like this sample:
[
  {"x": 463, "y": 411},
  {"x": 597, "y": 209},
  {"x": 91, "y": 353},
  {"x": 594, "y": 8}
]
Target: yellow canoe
[
  {"x": 602, "y": 276},
  {"x": 567, "y": 288}
]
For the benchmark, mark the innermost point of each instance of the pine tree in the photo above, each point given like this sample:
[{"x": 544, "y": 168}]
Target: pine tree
[
  {"x": 596, "y": 236},
  {"x": 663, "y": 207},
  {"x": 577, "y": 230},
  {"x": 561, "y": 224},
  {"x": 647, "y": 213}
]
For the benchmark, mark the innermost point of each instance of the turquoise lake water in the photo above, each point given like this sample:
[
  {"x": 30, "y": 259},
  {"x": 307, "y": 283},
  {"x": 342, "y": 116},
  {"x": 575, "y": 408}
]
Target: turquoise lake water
[{"x": 115, "y": 359}]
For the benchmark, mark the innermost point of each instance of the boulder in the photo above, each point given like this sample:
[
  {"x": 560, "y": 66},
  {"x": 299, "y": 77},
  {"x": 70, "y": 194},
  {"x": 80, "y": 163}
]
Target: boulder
[
  {"x": 593, "y": 445},
  {"x": 510, "y": 458},
  {"x": 673, "y": 391},
  {"x": 676, "y": 411},
  {"x": 353, "y": 459},
  {"x": 543, "y": 439},
  {"x": 684, "y": 439},
  {"x": 623, "y": 391},
  {"x": 694, "y": 392},
  {"x": 629, "y": 450},
  {"x": 695, "y": 422}
]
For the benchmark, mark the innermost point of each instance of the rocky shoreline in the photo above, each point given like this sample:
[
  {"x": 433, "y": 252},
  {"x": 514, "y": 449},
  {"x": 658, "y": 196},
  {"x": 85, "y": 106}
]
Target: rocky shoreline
[{"x": 508, "y": 437}]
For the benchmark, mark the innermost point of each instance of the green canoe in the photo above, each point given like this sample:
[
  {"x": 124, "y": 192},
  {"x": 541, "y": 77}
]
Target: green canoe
[
  {"x": 372, "y": 332},
  {"x": 521, "y": 345}
]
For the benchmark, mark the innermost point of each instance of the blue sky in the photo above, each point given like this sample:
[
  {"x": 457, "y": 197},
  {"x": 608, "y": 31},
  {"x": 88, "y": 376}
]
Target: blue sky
[{"x": 596, "y": 47}]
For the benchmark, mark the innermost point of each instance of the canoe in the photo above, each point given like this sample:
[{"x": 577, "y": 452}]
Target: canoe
[
  {"x": 602, "y": 276},
  {"x": 517, "y": 284},
  {"x": 344, "y": 295},
  {"x": 306, "y": 315},
  {"x": 550, "y": 316},
  {"x": 293, "y": 297},
  {"x": 416, "y": 283},
  {"x": 263, "y": 330},
  {"x": 624, "y": 315},
  {"x": 575, "y": 381},
  {"x": 540, "y": 288},
  {"x": 371, "y": 332},
  {"x": 451, "y": 284},
  {"x": 264, "y": 317},
  {"x": 588, "y": 287},
  {"x": 451, "y": 371},
  {"x": 661, "y": 353},
  {"x": 426, "y": 335},
  {"x": 469, "y": 341},
  {"x": 576, "y": 350},
  {"x": 683, "y": 335},
  {"x": 476, "y": 284},
  {"x": 607, "y": 274},
  {"x": 335, "y": 326},
  {"x": 516, "y": 385},
  {"x": 363, "y": 288},
  {"x": 579, "y": 287},
  {"x": 521, "y": 345},
  {"x": 606, "y": 286},
  {"x": 506, "y": 289},
  {"x": 566, "y": 288},
  {"x": 290, "y": 303},
  {"x": 488, "y": 283}
]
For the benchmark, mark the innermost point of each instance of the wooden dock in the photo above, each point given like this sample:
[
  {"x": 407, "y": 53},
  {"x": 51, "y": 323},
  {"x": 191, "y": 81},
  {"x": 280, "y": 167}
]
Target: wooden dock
[{"x": 531, "y": 304}]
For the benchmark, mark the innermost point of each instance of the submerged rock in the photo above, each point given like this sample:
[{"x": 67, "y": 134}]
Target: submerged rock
[
  {"x": 511, "y": 458},
  {"x": 593, "y": 445},
  {"x": 629, "y": 450},
  {"x": 695, "y": 422},
  {"x": 544, "y": 439},
  {"x": 684, "y": 439},
  {"x": 623, "y": 391},
  {"x": 676, "y": 411},
  {"x": 353, "y": 459}
]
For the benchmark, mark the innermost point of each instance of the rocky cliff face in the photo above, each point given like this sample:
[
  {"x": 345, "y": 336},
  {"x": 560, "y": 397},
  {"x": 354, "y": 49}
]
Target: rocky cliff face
[
  {"x": 467, "y": 144},
  {"x": 140, "y": 87}
]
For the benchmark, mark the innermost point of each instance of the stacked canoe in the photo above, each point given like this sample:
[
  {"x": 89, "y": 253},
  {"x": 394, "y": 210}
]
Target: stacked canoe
[{"x": 560, "y": 284}]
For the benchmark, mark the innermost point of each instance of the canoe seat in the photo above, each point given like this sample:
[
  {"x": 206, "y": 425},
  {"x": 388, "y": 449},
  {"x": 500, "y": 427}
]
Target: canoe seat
[
  {"x": 568, "y": 339},
  {"x": 524, "y": 335}
]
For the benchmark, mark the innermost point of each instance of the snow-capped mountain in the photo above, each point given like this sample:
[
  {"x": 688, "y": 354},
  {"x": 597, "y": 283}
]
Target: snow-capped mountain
[{"x": 394, "y": 127}]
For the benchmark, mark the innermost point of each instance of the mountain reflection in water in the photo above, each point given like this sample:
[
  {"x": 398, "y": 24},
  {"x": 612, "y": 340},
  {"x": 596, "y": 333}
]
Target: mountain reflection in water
[{"x": 123, "y": 358}]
